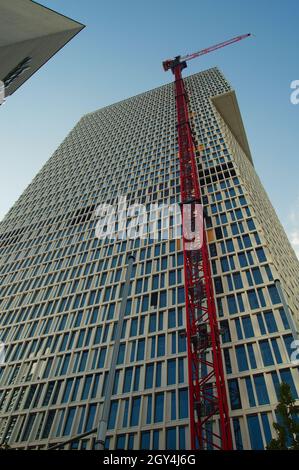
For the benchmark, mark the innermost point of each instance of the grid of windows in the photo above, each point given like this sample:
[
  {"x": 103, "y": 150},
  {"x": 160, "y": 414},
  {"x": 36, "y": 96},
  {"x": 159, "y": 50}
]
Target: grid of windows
[{"x": 61, "y": 287}]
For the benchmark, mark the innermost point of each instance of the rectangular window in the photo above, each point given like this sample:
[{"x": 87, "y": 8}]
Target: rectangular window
[
  {"x": 140, "y": 350},
  {"x": 251, "y": 355},
  {"x": 159, "y": 407},
  {"x": 183, "y": 403},
  {"x": 135, "y": 411},
  {"x": 171, "y": 439},
  {"x": 161, "y": 345},
  {"x": 238, "y": 434},
  {"x": 247, "y": 326},
  {"x": 69, "y": 421},
  {"x": 171, "y": 372},
  {"x": 266, "y": 426},
  {"x": 286, "y": 376},
  {"x": 250, "y": 393},
  {"x": 253, "y": 301},
  {"x": 261, "y": 389},
  {"x": 255, "y": 434},
  {"x": 234, "y": 394},
  {"x": 112, "y": 414},
  {"x": 145, "y": 440},
  {"x": 266, "y": 353},
  {"x": 128, "y": 380},
  {"x": 232, "y": 305},
  {"x": 275, "y": 299},
  {"x": 241, "y": 358}
]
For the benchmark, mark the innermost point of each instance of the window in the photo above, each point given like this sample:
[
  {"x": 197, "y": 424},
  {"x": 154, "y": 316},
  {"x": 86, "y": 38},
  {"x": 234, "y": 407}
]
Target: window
[
  {"x": 225, "y": 332},
  {"x": 156, "y": 438},
  {"x": 261, "y": 324},
  {"x": 270, "y": 322},
  {"x": 266, "y": 426},
  {"x": 241, "y": 358},
  {"x": 242, "y": 260},
  {"x": 247, "y": 326},
  {"x": 163, "y": 299},
  {"x": 286, "y": 376},
  {"x": 266, "y": 353},
  {"x": 102, "y": 357},
  {"x": 121, "y": 354},
  {"x": 159, "y": 407},
  {"x": 130, "y": 442},
  {"x": 120, "y": 442},
  {"x": 152, "y": 323},
  {"x": 238, "y": 281},
  {"x": 218, "y": 285},
  {"x": 288, "y": 340},
  {"x": 261, "y": 255},
  {"x": 86, "y": 387},
  {"x": 257, "y": 276},
  {"x": 149, "y": 373},
  {"x": 275, "y": 299},
  {"x": 135, "y": 411},
  {"x": 182, "y": 437},
  {"x": 238, "y": 434},
  {"x": 183, "y": 404},
  {"x": 112, "y": 414},
  {"x": 276, "y": 350},
  {"x": 181, "y": 370},
  {"x": 252, "y": 297},
  {"x": 284, "y": 319},
  {"x": 140, "y": 350},
  {"x": 228, "y": 365},
  {"x": 158, "y": 374},
  {"x": 261, "y": 389},
  {"x": 171, "y": 372},
  {"x": 69, "y": 421},
  {"x": 128, "y": 380},
  {"x": 255, "y": 434},
  {"x": 250, "y": 393},
  {"x": 224, "y": 264},
  {"x": 251, "y": 356},
  {"x": 67, "y": 390},
  {"x": 171, "y": 319},
  {"x": 161, "y": 345},
  {"x": 232, "y": 306},
  {"x": 133, "y": 330},
  {"x": 171, "y": 439},
  {"x": 238, "y": 328},
  {"x": 145, "y": 440},
  {"x": 149, "y": 410},
  {"x": 234, "y": 394}
]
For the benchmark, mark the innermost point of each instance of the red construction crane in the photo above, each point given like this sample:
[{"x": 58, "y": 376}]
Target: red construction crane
[{"x": 208, "y": 405}]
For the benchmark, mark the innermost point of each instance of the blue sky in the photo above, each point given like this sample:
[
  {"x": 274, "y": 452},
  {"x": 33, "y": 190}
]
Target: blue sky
[{"x": 119, "y": 55}]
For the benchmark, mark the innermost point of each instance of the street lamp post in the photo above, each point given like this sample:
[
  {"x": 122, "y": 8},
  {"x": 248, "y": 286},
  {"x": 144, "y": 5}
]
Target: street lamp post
[{"x": 103, "y": 424}]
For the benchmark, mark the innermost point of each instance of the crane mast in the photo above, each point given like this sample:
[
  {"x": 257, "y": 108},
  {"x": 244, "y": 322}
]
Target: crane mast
[{"x": 208, "y": 404}]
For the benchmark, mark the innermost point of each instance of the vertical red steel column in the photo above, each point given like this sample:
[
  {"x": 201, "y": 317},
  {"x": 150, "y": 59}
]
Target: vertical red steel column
[{"x": 207, "y": 392}]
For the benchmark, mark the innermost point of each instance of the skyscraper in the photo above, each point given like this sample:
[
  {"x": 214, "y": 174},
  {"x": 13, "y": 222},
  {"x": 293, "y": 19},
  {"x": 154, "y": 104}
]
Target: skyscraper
[{"x": 62, "y": 286}]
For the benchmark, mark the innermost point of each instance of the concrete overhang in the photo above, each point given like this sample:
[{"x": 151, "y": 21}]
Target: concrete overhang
[
  {"x": 228, "y": 108},
  {"x": 30, "y": 34}
]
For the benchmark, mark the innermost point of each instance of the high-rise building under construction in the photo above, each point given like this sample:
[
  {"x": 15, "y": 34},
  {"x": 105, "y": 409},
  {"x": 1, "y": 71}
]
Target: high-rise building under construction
[{"x": 61, "y": 287}]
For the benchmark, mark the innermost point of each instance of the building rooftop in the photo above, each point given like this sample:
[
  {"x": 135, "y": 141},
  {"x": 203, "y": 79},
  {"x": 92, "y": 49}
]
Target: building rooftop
[{"x": 30, "y": 34}]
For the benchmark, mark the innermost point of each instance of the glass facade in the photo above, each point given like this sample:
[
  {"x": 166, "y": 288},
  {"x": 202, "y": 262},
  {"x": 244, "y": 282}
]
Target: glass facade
[{"x": 61, "y": 287}]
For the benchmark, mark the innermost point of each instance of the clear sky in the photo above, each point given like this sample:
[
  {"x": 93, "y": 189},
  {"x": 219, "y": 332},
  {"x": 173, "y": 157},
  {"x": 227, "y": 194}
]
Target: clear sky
[{"x": 119, "y": 55}]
